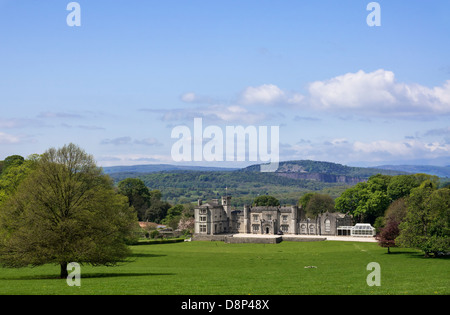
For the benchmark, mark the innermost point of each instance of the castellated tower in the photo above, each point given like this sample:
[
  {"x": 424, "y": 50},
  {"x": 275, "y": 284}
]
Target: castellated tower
[{"x": 226, "y": 203}]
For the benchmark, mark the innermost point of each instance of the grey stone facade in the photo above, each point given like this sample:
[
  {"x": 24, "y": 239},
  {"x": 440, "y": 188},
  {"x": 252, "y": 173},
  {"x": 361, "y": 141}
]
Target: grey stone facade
[{"x": 214, "y": 219}]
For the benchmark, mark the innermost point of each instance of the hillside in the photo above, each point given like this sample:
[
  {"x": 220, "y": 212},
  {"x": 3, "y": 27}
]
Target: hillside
[
  {"x": 326, "y": 171},
  {"x": 440, "y": 171},
  {"x": 288, "y": 184},
  {"x": 153, "y": 168}
]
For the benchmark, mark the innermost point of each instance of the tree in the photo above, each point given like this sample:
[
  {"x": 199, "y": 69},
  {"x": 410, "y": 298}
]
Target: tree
[
  {"x": 319, "y": 203},
  {"x": 14, "y": 172},
  {"x": 352, "y": 201},
  {"x": 401, "y": 185},
  {"x": 13, "y": 160},
  {"x": 173, "y": 216},
  {"x": 388, "y": 234},
  {"x": 266, "y": 201},
  {"x": 427, "y": 222},
  {"x": 157, "y": 210},
  {"x": 65, "y": 211},
  {"x": 366, "y": 201},
  {"x": 138, "y": 195},
  {"x": 303, "y": 201}
]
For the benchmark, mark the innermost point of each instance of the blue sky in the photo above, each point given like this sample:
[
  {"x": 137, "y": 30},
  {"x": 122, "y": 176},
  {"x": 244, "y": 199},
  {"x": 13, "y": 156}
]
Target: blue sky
[{"x": 340, "y": 91}]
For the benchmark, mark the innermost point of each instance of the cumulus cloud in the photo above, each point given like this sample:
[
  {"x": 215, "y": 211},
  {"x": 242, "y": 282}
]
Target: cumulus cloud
[
  {"x": 192, "y": 97},
  {"x": 268, "y": 94},
  {"x": 378, "y": 93},
  {"x": 367, "y": 94},
  {"x": 6, "y": 138},
  {"x": 343, "y": 150}
]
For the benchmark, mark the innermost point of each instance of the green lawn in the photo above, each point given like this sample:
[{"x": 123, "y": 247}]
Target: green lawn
[{"x": 257, "y": 269}]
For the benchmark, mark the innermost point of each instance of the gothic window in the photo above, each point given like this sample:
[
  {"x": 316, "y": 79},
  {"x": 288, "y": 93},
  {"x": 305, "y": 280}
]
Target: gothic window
[
  {"x": 303, "y": 228},
  {"x": 327, "y": 225}
]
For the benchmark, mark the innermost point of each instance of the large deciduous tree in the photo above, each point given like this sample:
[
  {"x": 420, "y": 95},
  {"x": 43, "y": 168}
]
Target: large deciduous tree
[
  {"x": 264, "y": 200},
  {"x": 65, "y": 211},
  {"x": 427, "y": 222},
  {"x": 317, "y": 204}
]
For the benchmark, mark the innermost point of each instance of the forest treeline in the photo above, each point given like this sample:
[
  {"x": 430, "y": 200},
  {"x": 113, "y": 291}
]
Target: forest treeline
[{"x": 419, "y": 203}]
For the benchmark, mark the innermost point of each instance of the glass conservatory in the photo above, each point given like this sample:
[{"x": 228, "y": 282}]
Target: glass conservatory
[{"x": 363, "y": 229}]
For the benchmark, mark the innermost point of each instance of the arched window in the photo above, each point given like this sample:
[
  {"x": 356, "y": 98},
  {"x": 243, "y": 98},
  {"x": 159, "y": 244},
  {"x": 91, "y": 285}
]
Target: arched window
[
  {"x": 327, "y": 225},
  {"x": 303, "y": 228}
]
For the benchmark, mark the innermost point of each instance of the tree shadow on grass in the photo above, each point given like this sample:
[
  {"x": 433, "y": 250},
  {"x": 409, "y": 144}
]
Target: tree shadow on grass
[
  {"x": 91, "y": 275},
  {"x": 416, "y": 254},
  {"x": 146, "y": 255}
]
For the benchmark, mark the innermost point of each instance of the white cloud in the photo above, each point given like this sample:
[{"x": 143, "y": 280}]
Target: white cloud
[
  {"x": 192, "y": 97},
  {"x": 133, "y": 159},
  {"x": 8, "y": 138},
  {"x": 268, "y": 94},
  {"x": 378, "y": 93},
  {"x": 188, "y": 97},
  {"x": 264, "y": 94},
  {"x": 215, "y": 114},
  {"x": 345, "y": 151}
]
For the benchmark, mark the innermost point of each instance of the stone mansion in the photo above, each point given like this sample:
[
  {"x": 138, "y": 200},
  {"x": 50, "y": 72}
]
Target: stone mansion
[{"x": 214, "y": 218}]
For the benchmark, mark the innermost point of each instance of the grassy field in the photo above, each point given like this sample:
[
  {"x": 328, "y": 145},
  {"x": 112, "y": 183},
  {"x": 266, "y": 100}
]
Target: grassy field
[{"x": 216, "y": 268}]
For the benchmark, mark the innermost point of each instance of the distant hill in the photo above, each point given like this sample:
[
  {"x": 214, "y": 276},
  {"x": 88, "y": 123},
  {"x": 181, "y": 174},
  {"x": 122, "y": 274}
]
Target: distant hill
[
  {"x": 326, "y": 171},
  {"x": 182, "y": 184},
  {"x": 153, "y": 168},
  {"x": 441, "y": 171}
]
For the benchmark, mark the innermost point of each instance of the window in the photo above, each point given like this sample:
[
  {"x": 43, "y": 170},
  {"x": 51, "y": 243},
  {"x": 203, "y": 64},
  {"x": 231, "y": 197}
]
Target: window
[
  {"x": 285, "y": 228},
  {"x": 303, "y": 228},
  {"x": 255, "y": 227},
  {"x": 284, "y": 218},
  {"x": 202, "y": 211},
  {"x": 202, "y": 218},
  {"x": 269, "y": 217},
  {"x": 327, "y": 225},
  {"x": 255, "y": 217},
  {"x": 202, "y": 228}
]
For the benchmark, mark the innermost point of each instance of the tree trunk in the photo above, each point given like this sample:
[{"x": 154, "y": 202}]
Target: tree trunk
[
  {"x": 389, "y": 249},
  {"x": 64, "y": 273}
]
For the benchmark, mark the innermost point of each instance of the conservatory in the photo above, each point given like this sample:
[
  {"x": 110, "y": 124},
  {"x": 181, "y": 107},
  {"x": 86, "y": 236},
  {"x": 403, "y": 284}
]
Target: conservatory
[
  {"x": 360, "y": 229},
  {"x": 363, "y": 229}
]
